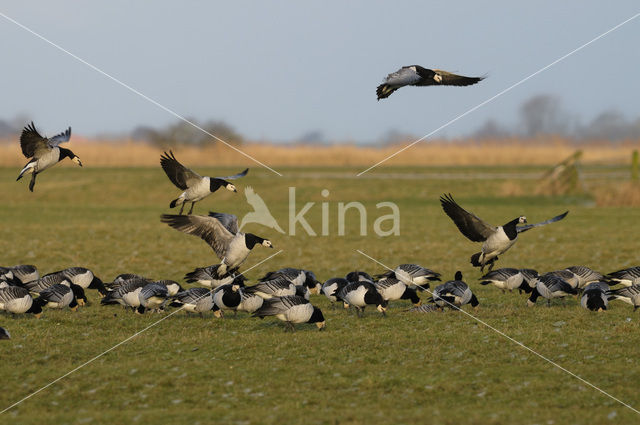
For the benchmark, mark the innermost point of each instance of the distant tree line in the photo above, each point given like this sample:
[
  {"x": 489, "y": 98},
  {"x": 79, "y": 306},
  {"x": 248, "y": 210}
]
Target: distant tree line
[{"x": 183, "y": 133}]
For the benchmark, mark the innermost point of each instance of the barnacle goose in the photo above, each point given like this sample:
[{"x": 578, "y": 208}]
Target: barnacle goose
[
  {"x": 595, "y": 296},
  {"x": 626, "y": 277},
  {"x": 61, "y": 296},
  {"x": 249, "y": 302},
  {"x": 124, "y": 278},
  {"x": 42, "y": 152},
  {"x": 412, "y": 274},
  {"x": 291, "y": 309},
  {"x": 209, "y": 277},
  {"x": 363, "y": 293},
  {"x": 153, "y": 296},
  {"x": 220, "y": 231},
  {"x": 4, "y": 334},
  {"x": 46, "y": 281},
  {"x": 297, "y": 277},
  {"x": 495, "y": 240},
  {"x": 358, "y": 276},
  {"x": 567, "y": 276},
  {"x": 126, "y": 293},
  {"x": 194, "y": 300},
  {"x": 393, "y": 289},
  {"x": 25, "y": 272},
  {"x": 84, "y": 278},
  {"x": 585, "y": 275},
  {"x": 278, "y": 287},
  {"x": 549, "y": 286},
  {"x": 17, "y": 300},
  {"x": 415, "y": 75},
  {"x": 628, "y": 294},
  {"x": 172, "y": 286},
  {"x": 505, "y": 279},
  {"x": 454, "y": 293},
  {"x": 227, "y": 297},
  {"x": 332, "y": 287},
  {"x": 303, "y": 291},
  {"x": 195, "y": 186},
  {"x": 6, "y": 273},
  {"x": 530, "y": 277}
]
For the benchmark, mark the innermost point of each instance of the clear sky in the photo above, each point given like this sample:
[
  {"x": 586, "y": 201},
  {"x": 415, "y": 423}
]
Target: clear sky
[{"x": 275, "y": 70}]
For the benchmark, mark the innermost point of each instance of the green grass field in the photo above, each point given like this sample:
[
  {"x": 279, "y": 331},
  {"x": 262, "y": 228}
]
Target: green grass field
[{"x": 402, "y": 369}]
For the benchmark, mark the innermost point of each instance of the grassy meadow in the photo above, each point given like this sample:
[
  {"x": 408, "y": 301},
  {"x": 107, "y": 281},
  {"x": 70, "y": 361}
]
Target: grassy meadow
[{"x": 403, "y": 369}]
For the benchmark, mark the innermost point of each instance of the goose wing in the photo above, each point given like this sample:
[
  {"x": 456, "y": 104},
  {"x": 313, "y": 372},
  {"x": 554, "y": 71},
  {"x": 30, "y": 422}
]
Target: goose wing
[
  {"x": 229, "y": 221},
  {"x": 470, "y": 225},
  {"x": 179, "y": 175},
  {"x": 60, "y": 138},
  {"x": 235, "y": 176},
  {"x": 32, "y": 143},
  {"x": 450, "y": 79},
  {"x": 542, "y": 223},
  {"x": 405, "y": 76},
  {"x": 208, "y": 229}
]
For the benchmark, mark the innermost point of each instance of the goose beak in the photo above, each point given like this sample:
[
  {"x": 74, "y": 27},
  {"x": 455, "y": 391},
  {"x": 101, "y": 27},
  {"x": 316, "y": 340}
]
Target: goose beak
[
  {"x": 38, "y": 315},
  {"x": 321, "y": 326},
  {"x": 81, "y": 302},
  {"x": 218, "y": 314},
  {"x": 74, "y": 308}
]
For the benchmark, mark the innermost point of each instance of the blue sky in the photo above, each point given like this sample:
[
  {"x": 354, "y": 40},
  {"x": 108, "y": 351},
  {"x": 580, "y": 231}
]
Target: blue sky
[{"x": 275, "y": 70}]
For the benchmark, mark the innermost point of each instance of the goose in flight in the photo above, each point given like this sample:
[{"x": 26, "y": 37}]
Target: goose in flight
[
  {"x": 42, "y": 152},
  {"x": 260, "y": 213},
  {"x": 495, "y": 240},
  {"x": 220, "y": 231},
  {"x": 195, "y": 186},
  {"x": 415, "y": 75}
]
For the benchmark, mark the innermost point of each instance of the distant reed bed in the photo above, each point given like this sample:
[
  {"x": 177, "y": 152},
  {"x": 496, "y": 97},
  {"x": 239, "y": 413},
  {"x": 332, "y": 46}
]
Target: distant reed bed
[{"x": 510, "y": 152}]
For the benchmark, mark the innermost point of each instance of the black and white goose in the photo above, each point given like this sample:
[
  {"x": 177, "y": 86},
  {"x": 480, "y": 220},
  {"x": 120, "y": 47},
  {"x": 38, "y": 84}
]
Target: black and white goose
[
  {"x": 415, "y": 75},
  {"x": 495, "y": 240},
  {"x": 126, "y": 293},
  {"x": 25, "y": 273},
  {"x": 227, "y": 297},
  {"x": 6, "y": 274},
  {"x": 220, "y": 231},
  {"x": 550, "y": 286},
  {"x": 358, "y": 276},
  {"x": 18, "y": 300},
  {"x": 249, "y": 302},
  {"x": 46, "y": 281},
  {"x": 626, "y": 277},
  {"x": 297, "y": 277},
  {"x": 595, "y": 296},
  {"x": 413, "y": 274},
  {"x": 628, "y": 294},
  {"x": 194, "y": 185},
  {"x": 84, "y": 278},
  {"x": 278, "y": 287},
  {"x": 43, "y": 153},
  {"x": 153, "y": 296},
  {"x": 361, "y": 294},
  {"x": 209, "y": 277},
  {"x": 506, "y": 279},
  {"x": 585, "y": 275},
  {"x": 530, "y": 277},
  {"x": 194, "y": 300},
  {"x": 454, "y": 293},
  {"x": 393, "y": 289},
  {"x": 172, "y": 286},
  {"x": 332, "y": 287},
  {"x": 4, "y": 334},
  {"x": 291, "y": 309},
  {"x": 60, "y": 296},
  {"x": 124, "y": 278}
]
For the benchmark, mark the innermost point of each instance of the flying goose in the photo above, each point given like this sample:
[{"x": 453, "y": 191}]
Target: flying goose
[
  {"x": 393, "y": 289},
  {"x": 549, "y": 286},
  {"x": 220, "y": 231},
  {"x": 412, "y": 274},
  {"x": 360, "y": 294},
  {"x": 505, "y": 279},
  {"x": 628, "y": 294},
  {"x": 496, "y": 240},
  {"x": 297, "y": 277},
  {"x": 595, "y": 296},
  {"x": 415, "y": 75},
  {"x": 454, "y": 293},
  {"x": 194, "y": 185},
  {"x": 42, "y": 152},
  {"x": 291, "y": 309},
  {"x": 61, "y": 296},
  {"x": 17, "y": 300},
  {"x": 194, "y": 300},
  {"x": 153, "y": 296},
  {"x": 626, "y": 277},
  {"x": 209, "y": 277},
  {"x": 4, "y": 334}
]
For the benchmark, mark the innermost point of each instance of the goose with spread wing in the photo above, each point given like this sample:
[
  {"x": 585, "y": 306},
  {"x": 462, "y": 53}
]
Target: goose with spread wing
[
  {"x": 495, "y": 240},
  {"x": 42, "y": 152},
  {"x": 220, "y": 231},
  {"x": 195, "y": 186},
  {"x": 415, "y": 75}
]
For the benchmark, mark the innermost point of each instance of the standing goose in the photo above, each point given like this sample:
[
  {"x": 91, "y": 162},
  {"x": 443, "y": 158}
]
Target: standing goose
[
  {"x": 249, "y": 302},
  {"x": 126, "y": 293},
  {"x": 60, "y": 296},
  {"x": 454, "y": 293},
  {"x": 17, "y": 300},
  {"x": 194, "y": 185},
  {"x": 220, "y": 231},
  {"x": 297, "y": 277},
  {"x": 413, "y": 274},
  {"x": 172, "y": 286},
  {"x": 550, "y": 286},
  {"x": 361, "y": 294},
  {"x": 291, "y": 309},
  {"x": 358, "y": 276},
  {"x": 25, "y": 273},
  {"x": 208, "y": 276},
  {"x": 124, "y": 278},
  {"x": 227, "y": 297},
  {"x": 530, "y": 277},
  {"x": 595, "y": 296},
  {"x": 42, "y": 152},
  {"x": 332, "y": 287},
  {"x": 628, "y": 294},
  {"x": 496, "y": 240},
  {"x": 84, "y": 278},
  {"x": 415, "y": 75},
  {"x": 584, "y": 275},
  {"x": 46, "y": 281},
  {"x": 505, "y": 279},
  {"x": 626, "y": 277},
  {"x": 393, "y": 289},
  {"x": 278, "y": 287},
  {"x": 153, "y": 297},
  {"x": 194, "y": 300}
]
